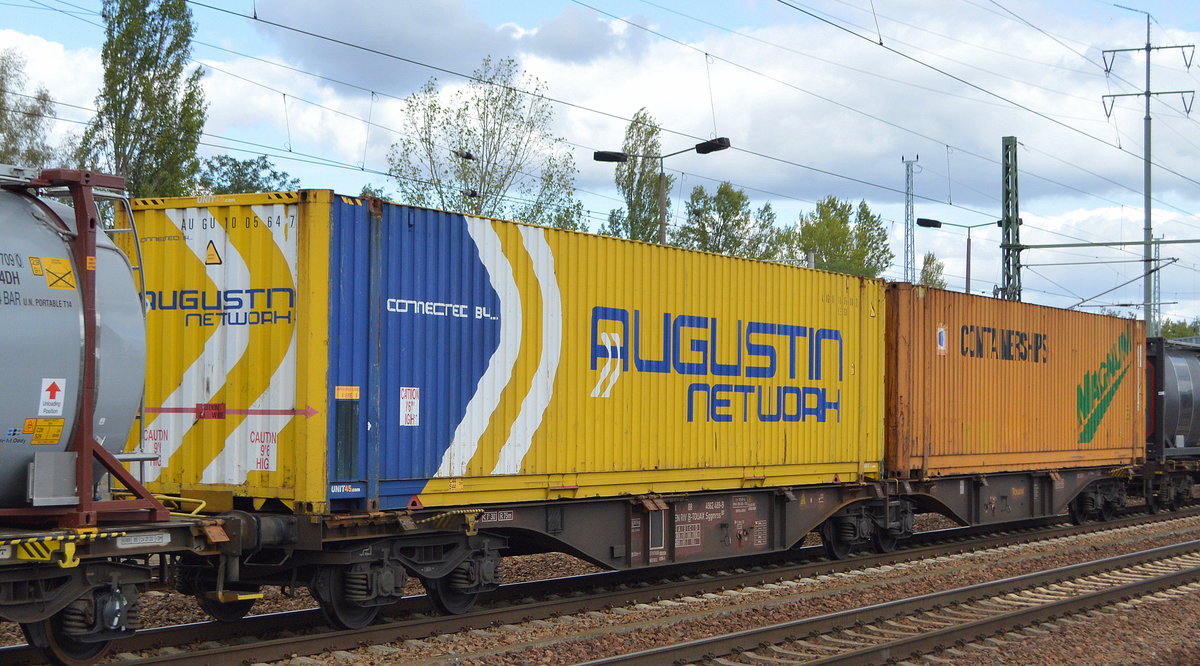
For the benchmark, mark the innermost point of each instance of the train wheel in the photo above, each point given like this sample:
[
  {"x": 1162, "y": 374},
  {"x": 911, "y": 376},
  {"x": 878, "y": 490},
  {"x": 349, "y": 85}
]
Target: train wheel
[
  {"x": 61, "y": 648},
  {"x": 446, "y": 598},
  {"x": 883, "y": 541},
  {"x": 225, "y": 611},
  {"x": 1181, "y": 496},
  {"x": 330, "y": 590},
  {"x": 835, "y": 547},
  {"x": 1078, "y": 511},
  {"x": 1107, "y": 511}
]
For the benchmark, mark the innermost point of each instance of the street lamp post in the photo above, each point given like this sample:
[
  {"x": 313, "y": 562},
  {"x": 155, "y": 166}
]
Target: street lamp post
[
  {"x": 937, "y": 224},
  {"x": 704, "y": 148}
]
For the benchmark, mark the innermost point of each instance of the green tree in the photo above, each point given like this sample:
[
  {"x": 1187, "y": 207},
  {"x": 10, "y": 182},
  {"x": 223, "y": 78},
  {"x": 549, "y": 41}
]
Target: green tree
[
  {"x": 150, "y": 111},
  {"x": 842, "y": 239},
  {"x": 486, "y": 149},
  {"x": 225, "y": 174},
  {"x": 1181, "y": 328},
  {"x": 637, "y": 179},
  {"x": 377, "y": 192},
  {"x": 24, "y": 119},
  {"x": 723, "y": 223},
  {"x": 931, "y": 272}
]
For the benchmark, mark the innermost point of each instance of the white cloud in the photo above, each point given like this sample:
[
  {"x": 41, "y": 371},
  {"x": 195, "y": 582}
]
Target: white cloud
[
  {"x": 71, "y": 76},
  {"x": 764, "y": 93}
]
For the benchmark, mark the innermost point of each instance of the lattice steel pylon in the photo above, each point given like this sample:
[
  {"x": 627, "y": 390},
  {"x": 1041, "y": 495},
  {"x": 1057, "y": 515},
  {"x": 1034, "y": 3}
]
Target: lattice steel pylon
[
  {"x": 910, "y": 255},
  {"x": 1010, "y": 222}
]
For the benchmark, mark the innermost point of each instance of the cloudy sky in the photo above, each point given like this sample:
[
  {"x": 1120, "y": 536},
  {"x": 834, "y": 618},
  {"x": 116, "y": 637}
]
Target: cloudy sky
[{"x": 818, "y": 97}]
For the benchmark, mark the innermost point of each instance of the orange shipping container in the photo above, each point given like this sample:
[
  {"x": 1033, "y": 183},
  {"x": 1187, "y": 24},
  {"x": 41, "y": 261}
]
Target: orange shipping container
[{"x": 985, "y": 385}]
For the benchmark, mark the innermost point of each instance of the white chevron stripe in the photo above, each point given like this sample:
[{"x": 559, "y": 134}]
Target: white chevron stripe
[
  {"x": 533, "y": 407},
  {"x": 614, "y": 352},
  {"x": 203, "y": 378},
  {"x": 237, "y": 457},
  {"x": 608, "y": 363},
  {"x": 499, "y": 369}
]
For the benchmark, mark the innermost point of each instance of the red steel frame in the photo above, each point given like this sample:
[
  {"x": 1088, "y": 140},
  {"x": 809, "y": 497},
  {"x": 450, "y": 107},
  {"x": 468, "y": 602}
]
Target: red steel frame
[{"x": 89, "y": 511}]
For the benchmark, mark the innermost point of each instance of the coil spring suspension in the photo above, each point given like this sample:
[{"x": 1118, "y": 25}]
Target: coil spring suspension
[
  {"x": 133, "y": 617},
  {"x": 845, "y": 530},
  {"x": 1088, "y": 503},
  {"x": 76, "y": 618},
  {"x": 357, "y": 586},
  {"x": 461, "y": 577}
]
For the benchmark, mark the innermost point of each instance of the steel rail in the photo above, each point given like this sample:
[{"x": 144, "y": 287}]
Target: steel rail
[
  {"x": 901, "y": 648},
  {"x": 617, "y": 588}
]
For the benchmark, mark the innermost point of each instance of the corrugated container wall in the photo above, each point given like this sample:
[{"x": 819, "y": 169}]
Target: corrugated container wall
[
  {"x": 981, "y": 385},
  {"x": 557, "y": 364},
  {"x": 420, "y": 357},
  {"x": 237, "y": 334}
]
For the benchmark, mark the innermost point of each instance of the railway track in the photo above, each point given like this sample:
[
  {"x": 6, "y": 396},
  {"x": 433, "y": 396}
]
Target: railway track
[
  {"x": 936, "y": 623},
  {"x": 280, "y": 635}
]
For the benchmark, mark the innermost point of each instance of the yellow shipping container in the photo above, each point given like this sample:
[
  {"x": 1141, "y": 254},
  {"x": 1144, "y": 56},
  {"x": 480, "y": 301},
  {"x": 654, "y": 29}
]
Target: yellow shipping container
[
  {"x": 980, "y": 385},
  {"x": 236, "y": 290},
  {"x": 681, "y": 371},
  {"x": 346, "y": 354}
]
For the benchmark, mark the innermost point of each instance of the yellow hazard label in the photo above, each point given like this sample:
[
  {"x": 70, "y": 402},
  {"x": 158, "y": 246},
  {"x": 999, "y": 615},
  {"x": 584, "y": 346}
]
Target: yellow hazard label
[
  {"x": 35, "y": 265},
  {"x": 345, "y": 393},
  {"x": 211, "y": 256},
  {"x": 30, "y": 424},
  {"x": 47, "y": 431},
  {"x": 59, "y": 273},
  {"x": 91, "y": 263}
]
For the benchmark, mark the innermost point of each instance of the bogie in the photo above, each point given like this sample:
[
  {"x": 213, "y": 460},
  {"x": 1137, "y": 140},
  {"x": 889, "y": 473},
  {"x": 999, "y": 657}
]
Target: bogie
[
  {"x": 1098, "y": 501},
  {"x": 83, "y": 631},
  {"x": 882, "y": 523}
]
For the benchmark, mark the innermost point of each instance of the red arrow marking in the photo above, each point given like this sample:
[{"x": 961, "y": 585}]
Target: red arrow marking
[
  {"x": 53, "y": 390},
  {"x": 169, "y": 410},
  {"x": 306, "y": 412}
]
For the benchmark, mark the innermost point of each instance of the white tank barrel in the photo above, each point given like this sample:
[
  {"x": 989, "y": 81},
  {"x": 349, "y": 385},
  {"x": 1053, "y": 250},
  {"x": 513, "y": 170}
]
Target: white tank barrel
[
  {"x": 1181, "y": 407},
  {"x": 41, "y": 340}
]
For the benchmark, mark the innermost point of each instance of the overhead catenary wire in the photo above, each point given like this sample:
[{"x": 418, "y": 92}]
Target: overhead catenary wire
[
  {"x": 616, "y": 116},
  {"x": 1147, "y": 273},
  {"x": 974, "y": 86},
  {"x": 823, "y": 98},
  {"x": 436, "y": 68},
  {"x": 931, "y": 199},
  {"x": 714, "y": 179},
  {"x": 863, "y": 37},
  {"x": 538, "y": 95},
  {"x": 1048, "y": 180},
  {"x": 254, "y": 148},
  {"x": 274, "y": 152},
  {"x": 567, "y": 103}
]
